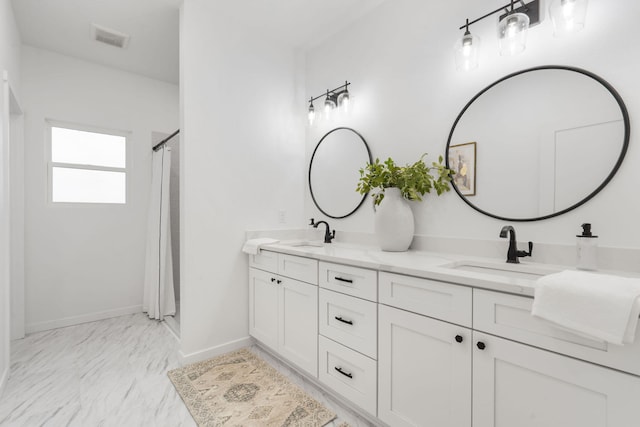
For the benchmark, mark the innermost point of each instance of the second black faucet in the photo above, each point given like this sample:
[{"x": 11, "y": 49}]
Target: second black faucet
[{"x": 513, "y": 253}]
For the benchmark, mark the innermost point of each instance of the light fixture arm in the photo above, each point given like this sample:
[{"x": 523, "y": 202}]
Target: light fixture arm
[{"x": 504, "y": 8}]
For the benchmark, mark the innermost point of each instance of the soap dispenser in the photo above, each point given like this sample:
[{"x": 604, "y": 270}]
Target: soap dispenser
[{"x": 587, "y": 249}]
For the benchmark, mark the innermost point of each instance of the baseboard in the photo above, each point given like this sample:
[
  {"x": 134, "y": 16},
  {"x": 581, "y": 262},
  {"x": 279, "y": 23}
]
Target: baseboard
[
  {"x": 169, "y": 325},
  {"x": 84, "y": 318},
  {"x": 215, "y": 351},
  {"x": 3, "y": 380}
]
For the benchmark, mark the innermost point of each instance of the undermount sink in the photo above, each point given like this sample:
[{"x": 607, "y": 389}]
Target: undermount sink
[
  {"x": 302, "y": 243},
  {"x": 519, "y": 271}
]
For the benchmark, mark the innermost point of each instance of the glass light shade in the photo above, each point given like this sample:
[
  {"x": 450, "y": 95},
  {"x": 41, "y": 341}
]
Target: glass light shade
[
  {"x": 329, "y": 104},
  {"x": 568, "y": 16},
  {"x": 344, "y": 99},
  {"x": 466, "y": 52},
  {"x": 312, "y": 114},
  {"x": 512, "y": 33}
]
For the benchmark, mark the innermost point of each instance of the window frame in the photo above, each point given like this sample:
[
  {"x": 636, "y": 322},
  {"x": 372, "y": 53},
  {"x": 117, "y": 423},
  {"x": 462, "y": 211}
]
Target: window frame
[{"x": 94, "y": 129}]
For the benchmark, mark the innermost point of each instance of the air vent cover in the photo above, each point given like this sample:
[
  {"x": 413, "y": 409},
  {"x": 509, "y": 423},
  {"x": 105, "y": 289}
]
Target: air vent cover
[{"x": 110, "y": 37}]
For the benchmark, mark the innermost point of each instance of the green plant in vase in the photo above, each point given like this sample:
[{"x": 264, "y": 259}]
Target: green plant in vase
[
  {"x": 393, "y": 221},
  {"x": 413, "y": 181}
]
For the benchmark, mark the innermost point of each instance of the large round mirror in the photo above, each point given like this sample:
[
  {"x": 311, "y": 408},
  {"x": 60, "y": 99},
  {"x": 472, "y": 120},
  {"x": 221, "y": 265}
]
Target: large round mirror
[
  {"x": 334, "y": 172},
  {"x": 538, "y": 143}
]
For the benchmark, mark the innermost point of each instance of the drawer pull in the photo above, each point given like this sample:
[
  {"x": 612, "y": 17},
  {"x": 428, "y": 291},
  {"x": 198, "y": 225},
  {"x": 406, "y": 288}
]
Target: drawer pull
[
  {"x": 481, "y": 345},
  {"x": 340, "y": 279},
  {"x": 278, "y": 281},
  {"x": 459, "y": 338},
  {"x": 340, "y": 319},
  {"x": 273, "y": 279},
  {"x": 346, "y": 374}
]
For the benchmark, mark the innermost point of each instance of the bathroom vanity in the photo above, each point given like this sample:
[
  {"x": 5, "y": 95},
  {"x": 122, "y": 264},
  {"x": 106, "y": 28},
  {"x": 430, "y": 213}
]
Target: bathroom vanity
[{"x": 425, "y": 339}]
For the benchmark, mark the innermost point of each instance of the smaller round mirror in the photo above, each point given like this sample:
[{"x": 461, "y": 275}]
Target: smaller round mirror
[{"x": 334, "y": 172}]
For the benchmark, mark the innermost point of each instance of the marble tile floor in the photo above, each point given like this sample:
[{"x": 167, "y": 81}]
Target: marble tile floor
[{"x": 110, "y": 373}]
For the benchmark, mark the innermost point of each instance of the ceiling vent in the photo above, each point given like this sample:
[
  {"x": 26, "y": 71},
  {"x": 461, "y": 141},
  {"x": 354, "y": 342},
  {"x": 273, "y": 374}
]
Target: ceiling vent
[{"x": 110, "y": 37}]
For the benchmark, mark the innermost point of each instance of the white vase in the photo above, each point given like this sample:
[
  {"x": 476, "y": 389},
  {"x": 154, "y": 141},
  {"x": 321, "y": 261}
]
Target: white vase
[{"x": 393, "y": 222}]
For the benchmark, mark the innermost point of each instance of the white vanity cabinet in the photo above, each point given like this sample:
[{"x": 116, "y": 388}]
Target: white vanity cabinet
[
  {"x": 424, "y": 375},
  {"x": 283, "y": 309},
  {"x": 522, "y": 383},
  {"x": 424, "y": 363},
  {"x": 415, "y": 352},
  {"x": 519, "y": 385}
]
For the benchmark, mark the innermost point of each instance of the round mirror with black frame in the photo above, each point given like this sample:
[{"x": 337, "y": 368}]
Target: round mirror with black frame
[
  {"x": 334, "y": 172},
  {"x": 538, "y": 143}
]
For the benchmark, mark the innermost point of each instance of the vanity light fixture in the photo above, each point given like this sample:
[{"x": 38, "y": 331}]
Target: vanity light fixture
[
  {"x": 568, "y": 16},
  {"x": 336, "y": 98},
  {"x": 513, "y": 26}
]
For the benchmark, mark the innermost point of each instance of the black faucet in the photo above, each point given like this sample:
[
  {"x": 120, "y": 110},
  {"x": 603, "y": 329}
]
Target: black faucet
[
  {"x": 328, "y": 236},
  {"x": 513, "y": 253}
]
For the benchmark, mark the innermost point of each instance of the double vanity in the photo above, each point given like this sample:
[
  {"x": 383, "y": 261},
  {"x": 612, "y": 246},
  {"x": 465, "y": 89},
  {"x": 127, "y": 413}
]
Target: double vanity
[{"x": 426, "y": 339}]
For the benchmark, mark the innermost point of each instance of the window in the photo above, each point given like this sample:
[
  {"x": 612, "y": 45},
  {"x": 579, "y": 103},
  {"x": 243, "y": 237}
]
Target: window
[{"x": 87, "y": 167}]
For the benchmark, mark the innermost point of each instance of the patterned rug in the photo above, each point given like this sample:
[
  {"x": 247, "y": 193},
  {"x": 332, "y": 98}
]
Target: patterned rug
[{"x": 240, "y": 389}]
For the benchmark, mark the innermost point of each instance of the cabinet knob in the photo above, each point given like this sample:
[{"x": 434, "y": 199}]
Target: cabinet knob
[
  {"x": 278, "y": 281},
  {"x": 273, "y": 279},
  {"x": 459, "y": 338},
  {"x": 481, "y": 345}
]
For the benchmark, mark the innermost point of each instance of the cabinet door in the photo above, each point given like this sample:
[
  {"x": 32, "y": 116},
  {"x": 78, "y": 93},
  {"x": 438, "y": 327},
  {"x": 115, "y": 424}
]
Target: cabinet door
[
  {"x": 518, "y": 385},
  {"x": 424, "y": 374},
  {"x": 263, "y": 307},
  {"x": 298, "y": 337}
]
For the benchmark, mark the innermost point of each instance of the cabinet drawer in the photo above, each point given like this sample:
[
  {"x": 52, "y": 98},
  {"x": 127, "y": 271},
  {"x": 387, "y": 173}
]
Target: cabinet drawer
[
  {"x": 299, "y": 268},
  {"x": 510, "y": 316},
  {"x": 264, "y": 260},
  {"x": 349, "y": 373},
  {"x": 349, "y": 321},
  {"x": 445, "y": 301},
  {"x": 355, "y": 281}
]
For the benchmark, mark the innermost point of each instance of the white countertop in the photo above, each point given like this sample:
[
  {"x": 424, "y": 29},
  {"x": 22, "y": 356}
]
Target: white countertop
[{"x": 429, "y": 265}]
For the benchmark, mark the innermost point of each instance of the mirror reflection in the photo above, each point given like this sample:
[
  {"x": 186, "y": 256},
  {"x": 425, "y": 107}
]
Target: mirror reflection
[
  {"x": 538, "y": 143},
  {"x": 334, "y": 172}
]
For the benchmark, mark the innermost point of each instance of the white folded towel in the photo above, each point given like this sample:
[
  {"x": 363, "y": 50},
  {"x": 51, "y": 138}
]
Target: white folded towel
[
  {"x": 252, "y": 246},
  {"x": 598, "y": 306}
]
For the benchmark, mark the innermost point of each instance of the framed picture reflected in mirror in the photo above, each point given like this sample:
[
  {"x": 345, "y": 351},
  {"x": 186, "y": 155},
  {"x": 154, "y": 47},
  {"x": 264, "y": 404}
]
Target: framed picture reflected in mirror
[{"x": 462, "y": 161}]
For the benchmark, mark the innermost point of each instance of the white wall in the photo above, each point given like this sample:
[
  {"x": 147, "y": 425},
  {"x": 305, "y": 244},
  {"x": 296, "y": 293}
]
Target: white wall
[
  {"x": 10, "y": 45},
  {"x": 16, "y": 142},
  {"x": 174, "y": 206},
  {"x": 10, "y": 62},
  {"x": 85, "y": 262},
  {"x": 408, "y": 93},
  {"x": 242, "y": 161}
]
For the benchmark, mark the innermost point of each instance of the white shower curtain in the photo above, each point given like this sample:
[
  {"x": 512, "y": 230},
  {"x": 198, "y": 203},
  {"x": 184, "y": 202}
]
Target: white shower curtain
[{"x": 159, "y": 299}]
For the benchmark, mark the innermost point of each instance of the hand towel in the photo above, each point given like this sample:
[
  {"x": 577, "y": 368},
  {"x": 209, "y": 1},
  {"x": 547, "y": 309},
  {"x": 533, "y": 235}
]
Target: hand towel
[
  {"x": 599, "y": 306},
  {"x": 252, "y": 246}
]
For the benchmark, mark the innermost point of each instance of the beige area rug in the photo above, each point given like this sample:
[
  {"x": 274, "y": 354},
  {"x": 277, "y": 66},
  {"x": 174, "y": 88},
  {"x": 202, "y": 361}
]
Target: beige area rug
[{"x": 240, "y": 389}]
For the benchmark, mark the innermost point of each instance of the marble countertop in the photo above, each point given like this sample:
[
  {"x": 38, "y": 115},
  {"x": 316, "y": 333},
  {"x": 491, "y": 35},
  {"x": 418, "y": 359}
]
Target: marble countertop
[{"x": 478, "y": 272}]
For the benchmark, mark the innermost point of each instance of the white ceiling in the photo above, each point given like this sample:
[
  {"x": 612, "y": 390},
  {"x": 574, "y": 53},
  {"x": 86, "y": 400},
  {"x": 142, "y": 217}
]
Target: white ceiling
[
  {"x": 298, "y": 23},
  {"x": 65, "y": 26}
]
